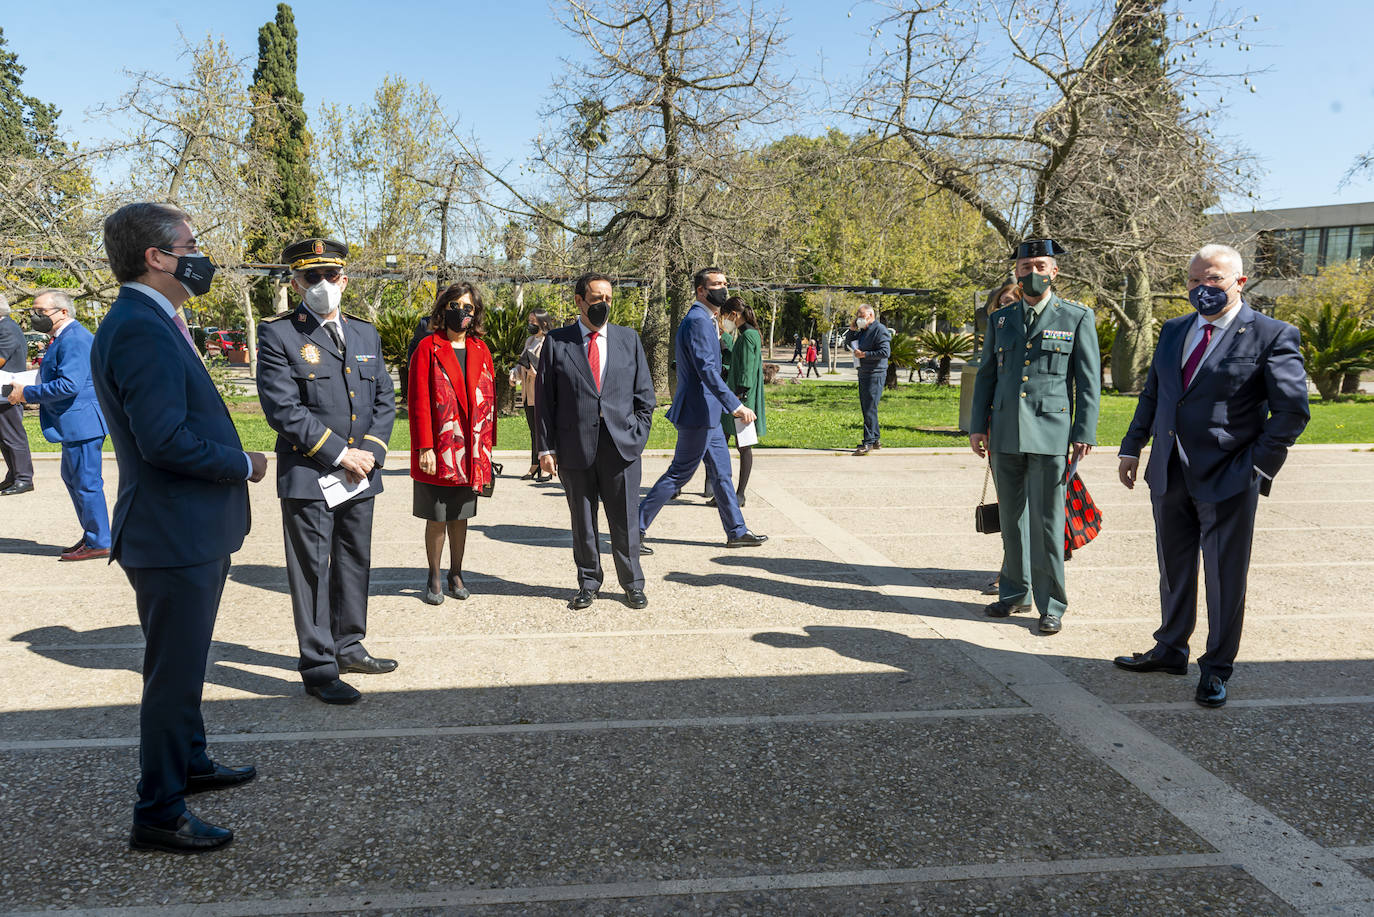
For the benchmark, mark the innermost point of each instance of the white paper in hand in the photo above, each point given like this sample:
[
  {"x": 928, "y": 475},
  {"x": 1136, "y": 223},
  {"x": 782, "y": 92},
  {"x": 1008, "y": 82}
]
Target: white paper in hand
[
  {"x": 746, "y": 435},
  {"x": 24, "y": 379},
  {"x": 337, "y": 488}
]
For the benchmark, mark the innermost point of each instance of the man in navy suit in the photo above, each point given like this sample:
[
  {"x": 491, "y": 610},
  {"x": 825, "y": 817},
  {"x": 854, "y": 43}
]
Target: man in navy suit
[
  {"x": 1225, "y": 398},
  {"x": 702, "y": 397},
  {"x": 182, "y": 508},
  {"x": 595, "y": 408},
  {"x": 69, "y": 414}
]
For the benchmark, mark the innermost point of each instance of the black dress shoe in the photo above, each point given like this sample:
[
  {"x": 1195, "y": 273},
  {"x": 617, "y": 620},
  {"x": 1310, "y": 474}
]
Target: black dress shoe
[
  {"x": 1211, "y": 691},
  {"x": 22, "y": 487},
  {"x": 220, "y": 778},
  {"x": 366, "y": 664},
  {"x": 747, "y": 540},
  {"x": 1049, "y": 624},
  {"x": 583, "y": 599},
  {"x": 644, "y": 549},
  {"x": 334, "y": 692},
  {"x": 188, "y": 835},
  {"x": 1001, "y": 609},
  {"x": 864, "y": 449},
  {"x": 1153, "y": 661},
  {"x": 636, "y": 598}
]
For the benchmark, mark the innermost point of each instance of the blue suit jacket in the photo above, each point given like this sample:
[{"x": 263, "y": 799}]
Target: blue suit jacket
[
  {"x": 67, "y": 408},
  {"x": 183, "y": 497},
  {"x": 702, "y": 395},
  {"x": 1246, "y": 405},
  {"x": 571, "y": 409}
]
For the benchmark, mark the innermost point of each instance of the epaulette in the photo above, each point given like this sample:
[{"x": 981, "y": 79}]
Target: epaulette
[
  {"x": 274, "y": 318},
  {"x": 358, "y": 318},
  {"x": 1071, "y": 302}
]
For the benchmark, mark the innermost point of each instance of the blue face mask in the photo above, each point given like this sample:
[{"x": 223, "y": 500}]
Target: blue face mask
[{"x": 1208, "y": 300}]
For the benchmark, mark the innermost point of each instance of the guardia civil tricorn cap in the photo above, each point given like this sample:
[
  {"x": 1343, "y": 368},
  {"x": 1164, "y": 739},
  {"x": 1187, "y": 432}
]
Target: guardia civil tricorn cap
[
  {"x": 1038, "y": 248},
  {"x": 310, "y": 253}
]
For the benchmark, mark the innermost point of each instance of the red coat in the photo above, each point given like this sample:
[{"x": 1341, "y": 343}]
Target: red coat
[
  {"x": 458, "y": 423},
  {"x": 811, "y": 354}
]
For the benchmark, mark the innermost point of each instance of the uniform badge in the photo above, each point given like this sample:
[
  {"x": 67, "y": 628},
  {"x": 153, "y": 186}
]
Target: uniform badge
[
  {"x": 1052, "y": 335},
  {"x": 1001, "y": 320},
  {"x": 318, "y": 247},
  {"x": 310, "y": 353}
]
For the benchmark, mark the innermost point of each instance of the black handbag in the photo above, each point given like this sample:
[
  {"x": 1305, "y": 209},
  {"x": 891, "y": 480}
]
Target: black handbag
[
  {"x": 986, "y": 520},
  {"x": 490, "y": 486}
]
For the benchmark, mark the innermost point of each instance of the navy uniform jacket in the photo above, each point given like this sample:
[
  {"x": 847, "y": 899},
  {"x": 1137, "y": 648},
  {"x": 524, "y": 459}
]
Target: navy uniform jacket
[
  {"x": 183, "y": 490},
  {"x": 701, "y": 395},
  {"x": 572, "y": 410},
  {"x": 1246, "y": 404},
  {"x": 321, "y": 402}
]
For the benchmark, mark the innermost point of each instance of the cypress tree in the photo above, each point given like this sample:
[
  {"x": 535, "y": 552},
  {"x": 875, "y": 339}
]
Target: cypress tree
[{"x": 28, "y": 127}]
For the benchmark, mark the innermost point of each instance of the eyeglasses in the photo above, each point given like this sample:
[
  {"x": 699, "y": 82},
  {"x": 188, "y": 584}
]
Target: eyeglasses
[{"x": 313, "y": 277}]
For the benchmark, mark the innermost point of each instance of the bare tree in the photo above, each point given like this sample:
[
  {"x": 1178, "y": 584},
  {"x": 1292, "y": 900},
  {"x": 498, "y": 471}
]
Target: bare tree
[
  {"x": 643, "y": 143},
  {"x": 1082, "y": 122}
]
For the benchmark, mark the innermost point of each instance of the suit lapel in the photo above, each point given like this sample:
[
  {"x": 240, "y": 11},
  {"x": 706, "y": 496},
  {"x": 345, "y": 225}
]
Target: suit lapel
[
  {"x": 1240, "y": 325},
  {"x": 315, "y": 331},
  {"x": 579, "y": 343}
]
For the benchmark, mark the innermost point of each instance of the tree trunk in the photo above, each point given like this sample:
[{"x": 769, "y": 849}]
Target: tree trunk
[
  {"x": 250, "y": 334},
  {"x": 519, "y": 298},
  {"x": 656, "y": 337},
  {"x": 505, "y": 395},
  {"x": 891, "y": 380},
  {"x": 942, "y": 376},
  {"x": 1350, "y": 383},
  {"x": 1328, "y": 384},
  {"x": 1135, "y": 338}
]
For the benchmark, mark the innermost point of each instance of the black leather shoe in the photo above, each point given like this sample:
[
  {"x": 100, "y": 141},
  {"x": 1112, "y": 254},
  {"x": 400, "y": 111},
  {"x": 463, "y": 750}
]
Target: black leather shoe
[
  {"x": 644, "y": 549},
  {"x": 1153, "y": 661},
  {"x": 1211, "y": 691},
  {"x": 636, "y": 598},
  {"x": 334, "y": 692},
  {"x": 190, "y": 835},
  {"x": 864, "y": 449},
  {"x": 1049, "y": 624},
  {"x": 583, "y": 599},
  {"x": 1001, "y": 609},
  {"x": 220, "y": 778},
  {"x": 747, "y": 540},
  {"x": 366, "y": 664},
  {"x": 22, "y": 487}
]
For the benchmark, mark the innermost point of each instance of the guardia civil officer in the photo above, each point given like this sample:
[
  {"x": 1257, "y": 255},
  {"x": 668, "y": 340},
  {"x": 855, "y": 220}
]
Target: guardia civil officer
[
  {"x": 327, "y": 393},
  {"x": 1035, "y": 401}
]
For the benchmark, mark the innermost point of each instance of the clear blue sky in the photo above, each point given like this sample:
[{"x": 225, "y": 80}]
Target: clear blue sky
[{"x": 493, "y": 63}]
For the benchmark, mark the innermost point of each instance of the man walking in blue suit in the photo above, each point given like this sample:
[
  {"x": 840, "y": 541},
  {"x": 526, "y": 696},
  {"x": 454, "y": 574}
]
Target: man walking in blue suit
[
  {"x": 182, "y": 508},
  {"x": 69, "y": 414},
  {"x": 1225, "y": 398},
  {"x": 702, "y": 397}
]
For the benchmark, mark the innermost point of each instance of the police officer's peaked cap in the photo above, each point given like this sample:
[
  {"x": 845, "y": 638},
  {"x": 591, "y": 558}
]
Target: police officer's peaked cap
[
  {"x": 1038, "y": 248},
  {"x": 310, "y": 253}
]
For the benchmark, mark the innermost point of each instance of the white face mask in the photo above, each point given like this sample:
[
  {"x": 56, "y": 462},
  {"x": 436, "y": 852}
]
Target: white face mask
[
  {"x": 860, "y": 323},
  {"x": 323, "y": 298},
  {"x": 728, "y": 325}
]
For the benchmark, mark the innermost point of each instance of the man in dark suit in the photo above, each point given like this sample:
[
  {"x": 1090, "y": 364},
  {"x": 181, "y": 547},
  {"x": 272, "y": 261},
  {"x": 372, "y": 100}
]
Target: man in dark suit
[
  {"x": 1225, "y": 398},
  {"x": 702, "y": 397},
  {"x": 182, "y": 508},
  {"x": 68, "y": 413},
  {"x": 14, "y": 442},
  {"x": 326, "y": 392},
  {"x": 595, "y": 407}
]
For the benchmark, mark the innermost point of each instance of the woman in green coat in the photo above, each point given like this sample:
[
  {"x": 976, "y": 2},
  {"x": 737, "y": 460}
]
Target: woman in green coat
[{"x": 745, "y": 379}]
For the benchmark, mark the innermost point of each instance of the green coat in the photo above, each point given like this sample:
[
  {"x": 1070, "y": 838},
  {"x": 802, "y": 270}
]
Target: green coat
[
  {"x": 1039, "y": 395},
  {"x": 745, "y": 378}
]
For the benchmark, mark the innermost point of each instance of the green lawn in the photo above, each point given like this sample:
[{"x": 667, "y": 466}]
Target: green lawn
[{"x": 825, "y": 415}]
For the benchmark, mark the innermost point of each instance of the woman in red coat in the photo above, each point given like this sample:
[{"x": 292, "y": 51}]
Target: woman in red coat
[{"x": 452, "y": 399}]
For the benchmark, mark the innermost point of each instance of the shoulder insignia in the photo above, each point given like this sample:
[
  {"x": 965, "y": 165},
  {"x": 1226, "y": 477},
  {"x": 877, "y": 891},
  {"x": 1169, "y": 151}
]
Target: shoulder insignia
[
  {"x": 274, "y": 318},
  {"x": 357, "y": 318}
]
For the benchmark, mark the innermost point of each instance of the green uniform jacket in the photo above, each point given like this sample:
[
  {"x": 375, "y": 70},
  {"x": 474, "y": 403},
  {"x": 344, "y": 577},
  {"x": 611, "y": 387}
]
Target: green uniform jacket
[
  {"x": 1040, "y": 394},
  {"x": 745, "y": 378}
]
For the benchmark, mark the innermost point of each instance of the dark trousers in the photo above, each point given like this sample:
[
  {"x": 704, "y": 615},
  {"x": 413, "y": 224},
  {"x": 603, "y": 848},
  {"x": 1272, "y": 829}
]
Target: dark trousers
[
  {"x": 1030, "y": 503},
  {"x": 81, "y": 472},
  {"x": 14, "y": 444},
  {"x": 695, "y": 445},
  {"x": 870, "y": 392},
  {"x": 1224, "y": 533},
  {"x": 328, "y": 566},
  {"x": 176, "y": 609},
  {"x": 614, "y": 483},
  {"x": 811, "y": 368},
  {"x": 532, "y": 421}
]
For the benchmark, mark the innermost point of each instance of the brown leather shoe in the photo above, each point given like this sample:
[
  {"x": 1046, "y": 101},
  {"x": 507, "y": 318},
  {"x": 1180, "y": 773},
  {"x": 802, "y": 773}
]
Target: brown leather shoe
[{"x": 85, "y": 553}]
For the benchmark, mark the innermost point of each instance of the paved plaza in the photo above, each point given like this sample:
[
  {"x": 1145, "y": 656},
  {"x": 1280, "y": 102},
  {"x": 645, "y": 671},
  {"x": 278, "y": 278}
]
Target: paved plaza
[{"x": 826, "y": 724}]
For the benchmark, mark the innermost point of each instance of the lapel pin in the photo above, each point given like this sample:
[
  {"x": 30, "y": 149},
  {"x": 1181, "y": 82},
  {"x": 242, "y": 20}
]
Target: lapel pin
[{"x": 1240, "y": 330}]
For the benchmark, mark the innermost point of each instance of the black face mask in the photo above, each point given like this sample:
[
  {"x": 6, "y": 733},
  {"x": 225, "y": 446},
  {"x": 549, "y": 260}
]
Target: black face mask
[
  {"x": 194, "y": 271},
  {"x": 598, "y": 312},
  {"x": 454, "y": 318},
  {"x": 40, "y": 322},
  {"x": 533, "y": 329},
  {"x": 718, "y": 296}
]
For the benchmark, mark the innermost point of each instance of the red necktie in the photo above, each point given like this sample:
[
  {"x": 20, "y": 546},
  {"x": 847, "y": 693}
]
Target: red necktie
[
  {"x": 594, "y": 359},
  {"x": 1194, "y": 358}
]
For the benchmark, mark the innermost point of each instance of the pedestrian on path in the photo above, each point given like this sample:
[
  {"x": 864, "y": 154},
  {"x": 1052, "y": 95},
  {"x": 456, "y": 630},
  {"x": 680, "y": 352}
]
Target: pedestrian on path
[{"x": 745, "y": 379}]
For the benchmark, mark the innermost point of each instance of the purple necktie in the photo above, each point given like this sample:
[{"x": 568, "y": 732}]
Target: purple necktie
[{"x": 1194, "y": 358}]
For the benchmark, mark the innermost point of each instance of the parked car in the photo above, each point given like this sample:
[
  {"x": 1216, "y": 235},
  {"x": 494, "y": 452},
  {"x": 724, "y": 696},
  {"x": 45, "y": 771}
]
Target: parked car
[{"x": 232, "y": 345}]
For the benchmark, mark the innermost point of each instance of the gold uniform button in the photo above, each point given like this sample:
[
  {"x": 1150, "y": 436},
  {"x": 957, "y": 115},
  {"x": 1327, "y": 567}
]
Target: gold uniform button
[
  {"x": 1023, "y": 394},
  {"x": 1028, "y": 362},
  {"x": 352, "y": 395},
  {"x": 1025, "y": 378},
  {"x": 350, "y": 440},
  {"x": 312, "y": 375},
  {"x": 1028, "y": 345},
  {"x": 354, "y": 416},
  {"x": 349, "y": 369}
]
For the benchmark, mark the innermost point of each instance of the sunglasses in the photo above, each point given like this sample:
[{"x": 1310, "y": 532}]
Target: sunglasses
[{"x": 313, "y": 277}]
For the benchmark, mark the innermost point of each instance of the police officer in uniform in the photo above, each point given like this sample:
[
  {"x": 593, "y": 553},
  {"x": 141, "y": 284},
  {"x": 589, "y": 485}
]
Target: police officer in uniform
[
  {"x": 327, "y": 393},
  {"x": 1035, "y": 401}
]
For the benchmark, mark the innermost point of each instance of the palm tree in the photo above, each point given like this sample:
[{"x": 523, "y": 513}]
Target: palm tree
[
  {"x": 905, "y": 353},
  {"x": 945, "y": 347},
  {"x": 504, "y": 334},
  {"x": 396, "y": 326},
  {"x": 1334, "y": 344}
]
